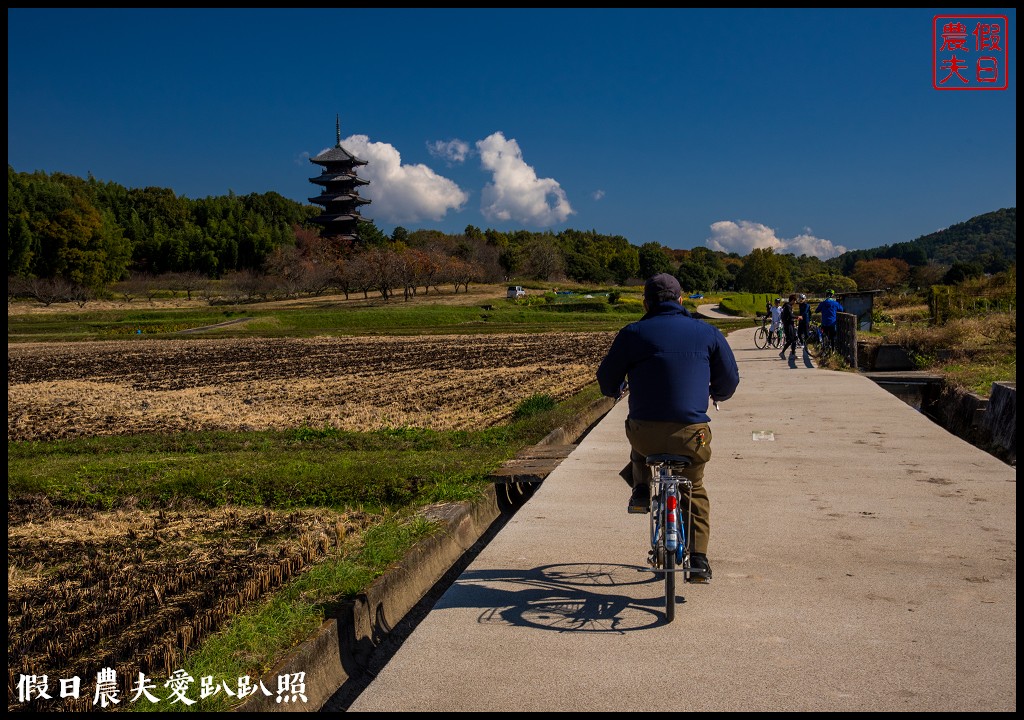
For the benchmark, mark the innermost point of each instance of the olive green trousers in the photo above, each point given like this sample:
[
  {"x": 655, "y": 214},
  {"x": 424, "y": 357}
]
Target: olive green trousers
[{"x": 648, "y": 437}]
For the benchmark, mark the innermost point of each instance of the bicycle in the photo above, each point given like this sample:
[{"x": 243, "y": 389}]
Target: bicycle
[
  {"x": 669, "y": 527},
  {"x": 819, "y": 346},
  {"x": 764, "y": 337}
]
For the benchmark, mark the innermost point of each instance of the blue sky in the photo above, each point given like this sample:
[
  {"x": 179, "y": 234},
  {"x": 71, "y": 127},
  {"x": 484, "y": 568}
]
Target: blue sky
[{"x": 810, "y": 131}]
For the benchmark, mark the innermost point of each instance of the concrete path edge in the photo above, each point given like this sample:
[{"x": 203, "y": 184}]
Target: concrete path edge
[{"x": 342, "y": 646}]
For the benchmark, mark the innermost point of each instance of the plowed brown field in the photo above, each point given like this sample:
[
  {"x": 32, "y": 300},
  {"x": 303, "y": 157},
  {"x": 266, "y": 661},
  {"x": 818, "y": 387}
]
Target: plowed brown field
[{"x": 67, "y": 390}]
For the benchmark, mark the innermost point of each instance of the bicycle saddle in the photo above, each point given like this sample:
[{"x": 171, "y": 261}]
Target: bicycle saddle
[{"x": 672, "y": 461}]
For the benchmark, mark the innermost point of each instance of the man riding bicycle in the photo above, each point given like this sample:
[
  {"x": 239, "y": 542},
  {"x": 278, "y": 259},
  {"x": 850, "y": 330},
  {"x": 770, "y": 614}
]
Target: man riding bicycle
[{"x": 673, "y": 363}]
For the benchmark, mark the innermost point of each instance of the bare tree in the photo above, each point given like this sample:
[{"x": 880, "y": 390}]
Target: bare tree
[
  {"x": 317, "y": 277},
  {"x": 360, "y": 273},
  {"x": 284, "y": 270},
  {"x": 433, "y": 264},
  {"x": 16, "y": 287},
  {"x": 462, "y": 272},
  {"x": 385, "y": 268},
  {"x": 80, "y": 294},
  {"x": 342, "y": 276},
  {"x": 543, "y": 260},
  {"x": 190, "y": 281},
  {"x": 50, "y": 290},
  {"x": 411, "y": 267},
  {"x": 248, "y": 285}
]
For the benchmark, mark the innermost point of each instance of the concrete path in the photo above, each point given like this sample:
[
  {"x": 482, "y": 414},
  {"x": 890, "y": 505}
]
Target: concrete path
[
  {"x": 712, "y": 311},
  {"x": 864, "y": 560}
]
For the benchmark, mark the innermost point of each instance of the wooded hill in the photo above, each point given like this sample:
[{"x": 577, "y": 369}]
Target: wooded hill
[{"x": 988, "y": 240}]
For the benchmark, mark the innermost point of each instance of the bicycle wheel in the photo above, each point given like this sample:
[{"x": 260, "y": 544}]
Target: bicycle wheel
[
  {"x": 813, "y": 343},
  {"x": 761, "y": 339},
  {"x": 670, "y": 586},
  {"x": 670, "y": 569}
]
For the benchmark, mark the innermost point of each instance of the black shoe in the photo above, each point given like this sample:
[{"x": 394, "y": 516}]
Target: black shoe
[
  {"x": 640, "y": 500},
  {"x": 700, "y": 568}
]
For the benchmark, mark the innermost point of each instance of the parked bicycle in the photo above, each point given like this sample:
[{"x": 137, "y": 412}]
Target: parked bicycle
[
  {"x": 764, "y": 337},
  {"x": 818, "y": 344},
  {"x": 670, "y": 524}
]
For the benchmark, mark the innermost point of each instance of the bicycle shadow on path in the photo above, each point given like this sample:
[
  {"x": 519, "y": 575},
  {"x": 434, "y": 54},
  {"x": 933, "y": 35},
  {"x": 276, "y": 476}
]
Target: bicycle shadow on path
[{"x": 570, "y": 597}]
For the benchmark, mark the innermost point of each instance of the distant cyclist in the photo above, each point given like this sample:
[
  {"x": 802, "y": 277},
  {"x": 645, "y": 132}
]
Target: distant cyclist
[
  {"x": 829, "y": 309},
  {"x": 673, "y": 362}
]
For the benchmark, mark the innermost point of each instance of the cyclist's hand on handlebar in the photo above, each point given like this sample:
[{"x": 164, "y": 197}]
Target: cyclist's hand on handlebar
[{"x": 623, "y": 389}]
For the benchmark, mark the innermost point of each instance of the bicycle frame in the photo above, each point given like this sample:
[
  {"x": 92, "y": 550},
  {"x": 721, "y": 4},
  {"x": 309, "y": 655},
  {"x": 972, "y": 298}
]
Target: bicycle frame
[
  {"x": 670, "y": 524},
  {"x": 819, "y": 344}
]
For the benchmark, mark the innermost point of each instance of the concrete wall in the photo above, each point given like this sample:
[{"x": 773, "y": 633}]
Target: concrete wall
[
  {"x": 999, "y": 424},
  {"x": 989, "y": 423}
]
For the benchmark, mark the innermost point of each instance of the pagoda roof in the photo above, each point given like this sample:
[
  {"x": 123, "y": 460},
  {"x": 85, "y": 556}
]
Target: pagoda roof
[
  {"x": 337, "y": 154},
  {"x": 328, "y": 178},
  {"x": 339, "y": 218},
  {"x": 336, "y": 197}
]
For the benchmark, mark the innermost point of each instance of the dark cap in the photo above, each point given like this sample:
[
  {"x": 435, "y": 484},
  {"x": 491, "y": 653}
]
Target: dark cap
[{"x": 662, "y": 288}]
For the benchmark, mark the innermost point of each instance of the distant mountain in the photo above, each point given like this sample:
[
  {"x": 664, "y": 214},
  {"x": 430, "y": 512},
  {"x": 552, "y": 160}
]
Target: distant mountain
[{"x": 989, "y": 240}]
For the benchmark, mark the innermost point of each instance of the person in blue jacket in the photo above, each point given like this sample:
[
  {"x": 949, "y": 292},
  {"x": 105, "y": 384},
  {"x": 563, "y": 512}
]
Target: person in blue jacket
[
  {"x": 672, "y": 364},
  {"x": 829, "y": 309}
]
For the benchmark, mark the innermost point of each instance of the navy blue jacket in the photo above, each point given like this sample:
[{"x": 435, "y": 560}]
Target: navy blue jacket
[{"x": 673, "y": 363}]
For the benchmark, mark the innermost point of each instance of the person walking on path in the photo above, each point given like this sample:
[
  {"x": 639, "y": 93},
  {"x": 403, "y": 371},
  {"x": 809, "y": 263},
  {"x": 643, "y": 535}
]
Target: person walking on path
[
  {"x": 788, "y": 320},
  {"x": 672, "y": 363},
  {"x": 803, "y": 321}
]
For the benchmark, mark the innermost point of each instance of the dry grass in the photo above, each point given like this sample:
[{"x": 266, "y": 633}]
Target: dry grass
[
  {"x": 958, "y": 336},
  {"x": 970, "y": 353}
]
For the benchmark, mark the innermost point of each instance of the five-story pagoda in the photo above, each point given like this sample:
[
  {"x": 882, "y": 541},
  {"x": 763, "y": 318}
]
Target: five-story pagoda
[{"x": 340, "y": 195}]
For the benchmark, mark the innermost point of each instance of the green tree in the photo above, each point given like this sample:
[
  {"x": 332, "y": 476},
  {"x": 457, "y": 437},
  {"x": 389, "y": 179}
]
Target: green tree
[
  {"x": 653, "y": 260},
  {"x": 370, "y": 235},
  {"x": 763, "y": 272},
  {"x": 21, "y": 246},
  {"x": 625, "y": 264},
  {"x": 819, "y": 284},
  {"x": 694, "y": 276},
  {"x": 961, "y": 271},
  {"x": 400, "y": 236},
  {"x": 715, "y": 272}
]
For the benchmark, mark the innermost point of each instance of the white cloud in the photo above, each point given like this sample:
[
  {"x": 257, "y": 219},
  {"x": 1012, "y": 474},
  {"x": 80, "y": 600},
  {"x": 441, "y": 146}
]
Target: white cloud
[
  {"x": 743, "y": 236},
  {"x": 598, "y": 194},
  {"x": 515, "y": 192},
  {"x": 401, "y": 193},
  {"x": 808, "y": 244},
  {"x": 453, "y": 151}
]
